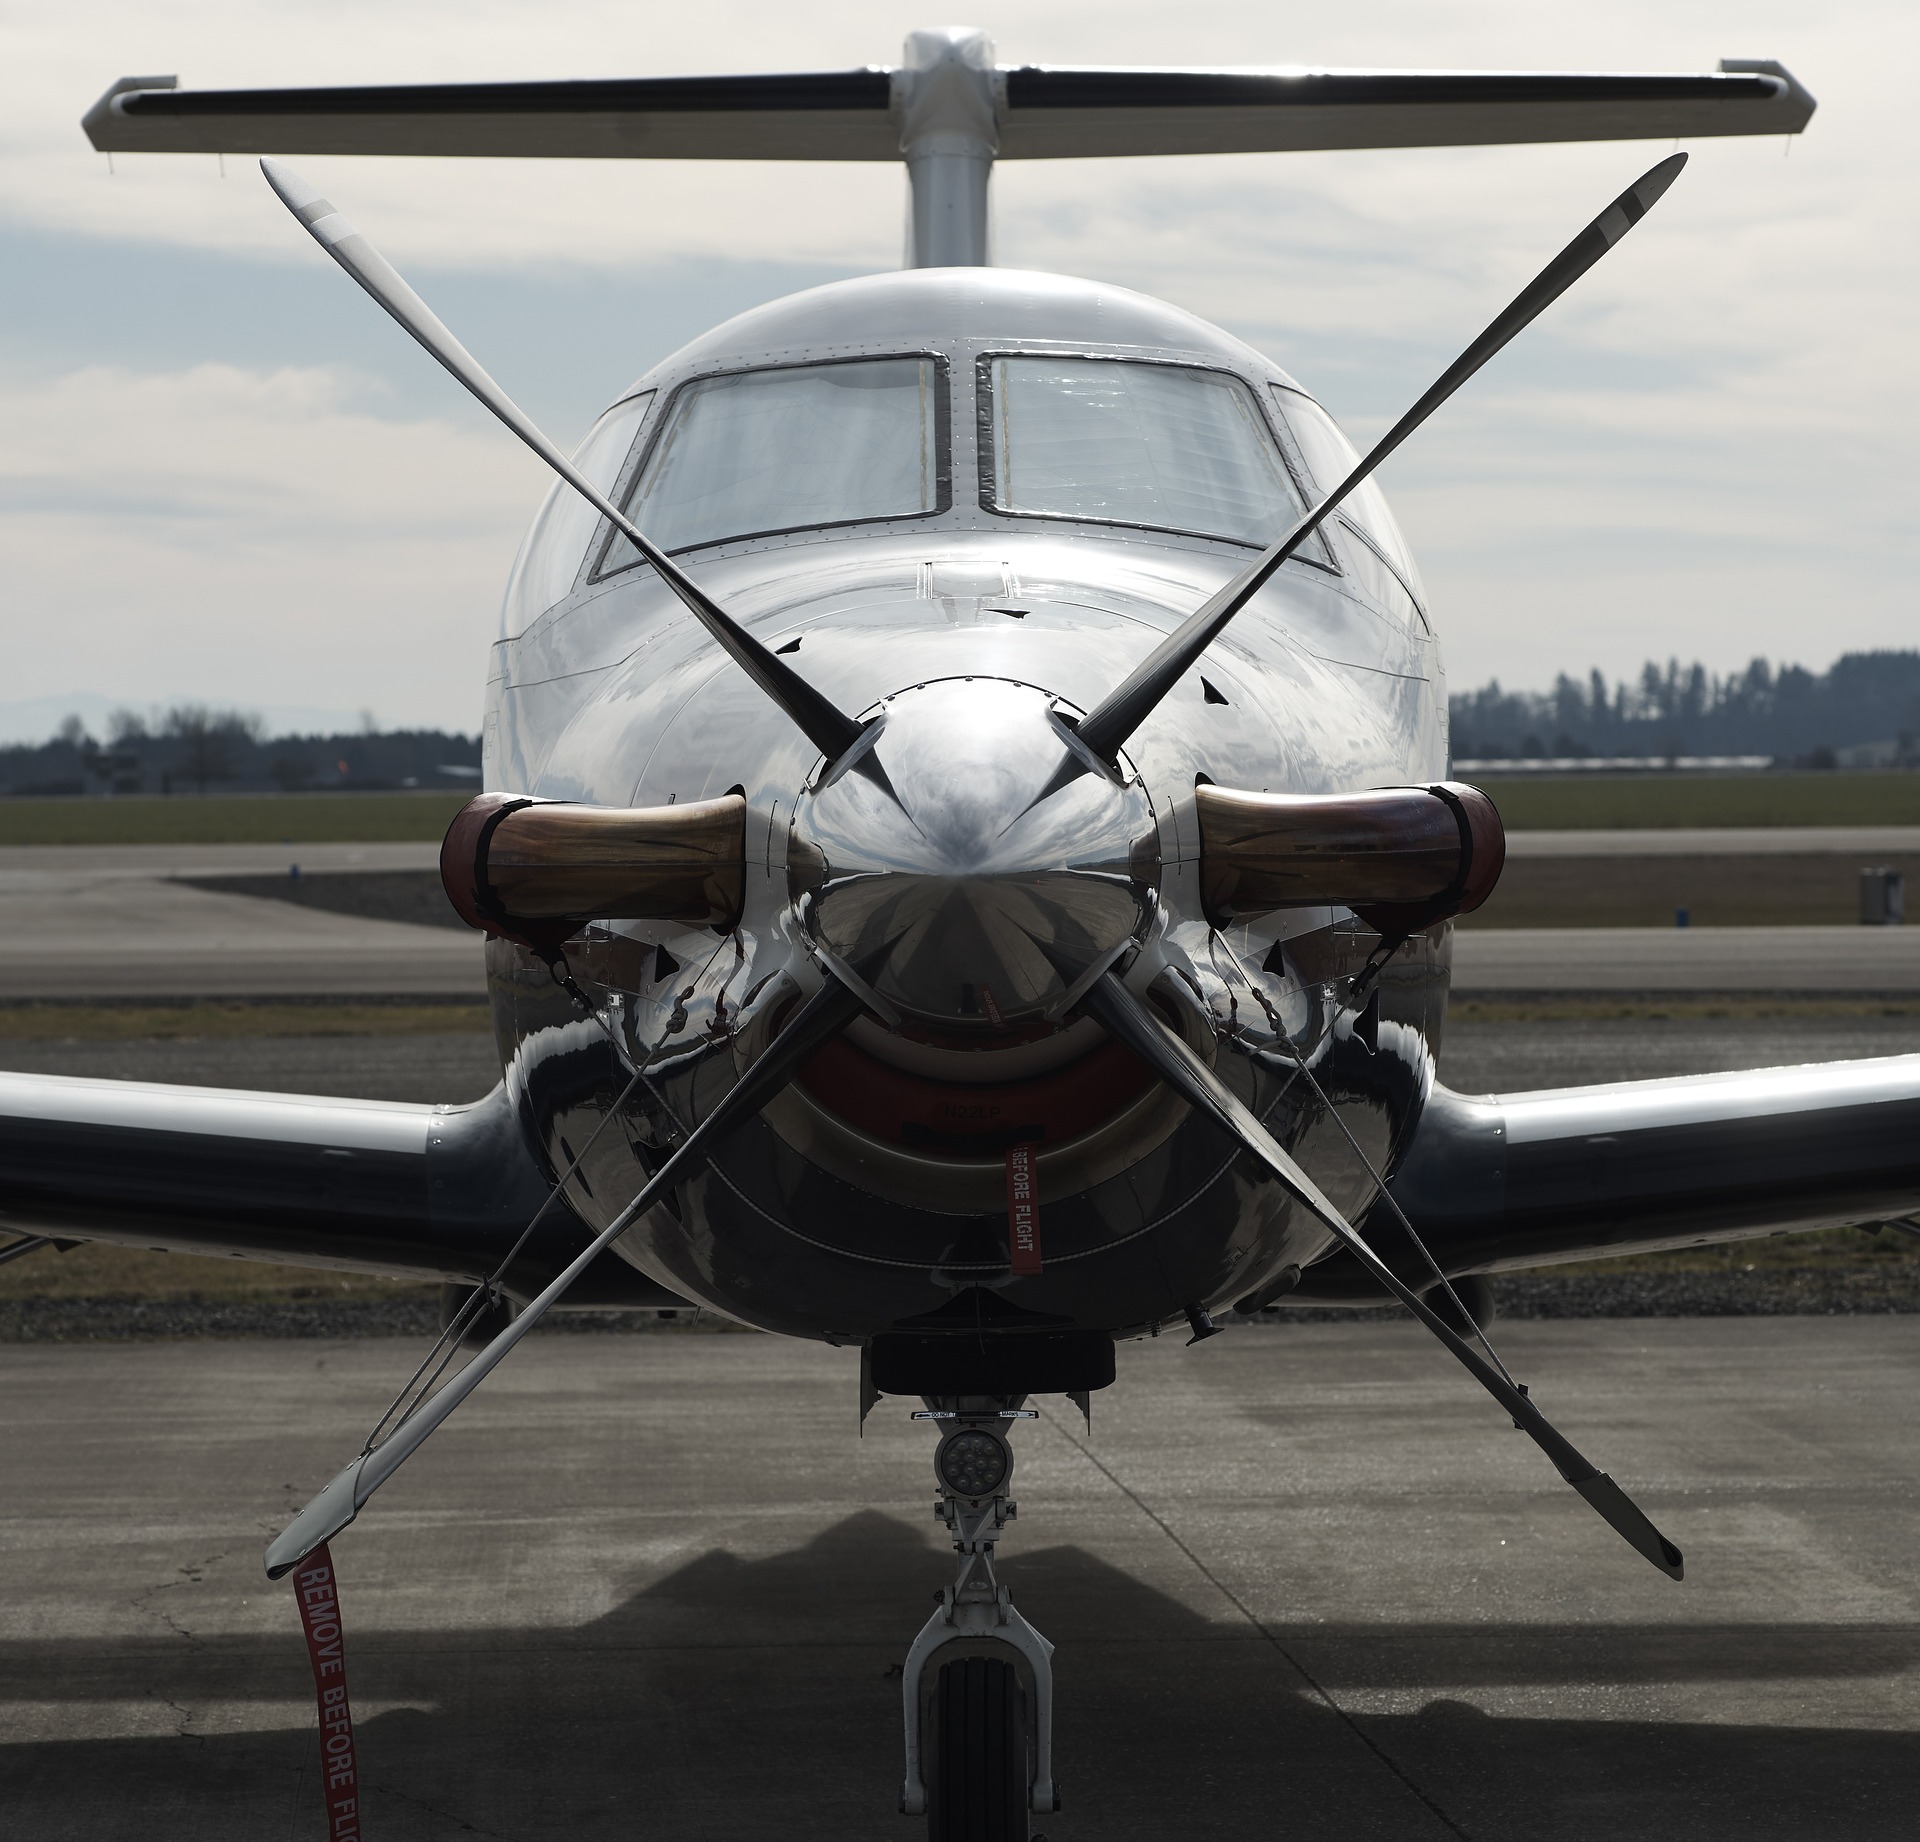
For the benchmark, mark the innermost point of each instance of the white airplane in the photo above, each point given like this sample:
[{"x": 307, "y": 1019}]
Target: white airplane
[{"x": 967, "y": 859}]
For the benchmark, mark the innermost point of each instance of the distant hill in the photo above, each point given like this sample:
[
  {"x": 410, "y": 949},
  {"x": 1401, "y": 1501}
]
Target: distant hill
[{"x": 1792, "y": 714}]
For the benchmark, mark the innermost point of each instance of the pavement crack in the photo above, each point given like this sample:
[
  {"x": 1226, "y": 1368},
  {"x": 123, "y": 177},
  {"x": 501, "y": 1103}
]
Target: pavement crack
[
  {"x": 1267, "y": 1636},
  {"x": 149, "y": 1601}
]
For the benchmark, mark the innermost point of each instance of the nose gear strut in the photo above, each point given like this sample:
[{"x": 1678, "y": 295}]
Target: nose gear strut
[{"x": 979, "y": 1735}]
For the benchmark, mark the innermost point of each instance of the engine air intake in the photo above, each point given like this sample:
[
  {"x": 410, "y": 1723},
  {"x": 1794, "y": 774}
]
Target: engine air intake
[
  {"x": 1399, "y": 857},
  {"x": 535, "y": 871}
]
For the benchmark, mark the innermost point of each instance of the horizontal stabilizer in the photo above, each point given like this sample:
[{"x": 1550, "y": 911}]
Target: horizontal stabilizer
[
  {"x": 1040, "y": 113},
  {"x": 836, "y": 115},
  {"x": 1079, "y": 113}
]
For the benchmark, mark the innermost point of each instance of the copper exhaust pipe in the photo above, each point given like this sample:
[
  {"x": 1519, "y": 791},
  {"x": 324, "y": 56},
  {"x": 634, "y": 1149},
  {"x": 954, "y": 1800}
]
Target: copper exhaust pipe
[
  {"x": 1399, "y": 857},
  {"x": 536, "y": 871}
]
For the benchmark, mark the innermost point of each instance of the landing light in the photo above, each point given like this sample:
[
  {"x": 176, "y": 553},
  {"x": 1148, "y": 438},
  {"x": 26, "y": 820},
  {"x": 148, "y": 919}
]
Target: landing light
[{"x": 971, "y": 1463}]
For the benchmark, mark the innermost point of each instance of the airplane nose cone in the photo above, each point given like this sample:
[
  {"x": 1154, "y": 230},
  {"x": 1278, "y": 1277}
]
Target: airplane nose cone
[{"x": 971, "y": 861}]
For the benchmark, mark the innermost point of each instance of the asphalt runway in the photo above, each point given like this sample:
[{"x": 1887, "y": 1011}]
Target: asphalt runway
[
  {"x": 1685, "y": 960},
  {"x": 104, "y": 923},
  {"x": 1510, "y": 1058},
  {"x": 1304, "y": 1582}
]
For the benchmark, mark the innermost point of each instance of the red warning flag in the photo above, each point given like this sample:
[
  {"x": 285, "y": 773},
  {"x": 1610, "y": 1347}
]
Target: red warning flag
[
  {"x": 1023, "y": 1208},
  {"x": 318, "y": 1595}
]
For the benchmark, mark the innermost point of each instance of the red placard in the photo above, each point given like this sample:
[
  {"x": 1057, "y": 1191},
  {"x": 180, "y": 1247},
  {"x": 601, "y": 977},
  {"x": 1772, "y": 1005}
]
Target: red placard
[
  {"x": 1023, "y": 1208},
  {"x": 318, "y": 1595}
]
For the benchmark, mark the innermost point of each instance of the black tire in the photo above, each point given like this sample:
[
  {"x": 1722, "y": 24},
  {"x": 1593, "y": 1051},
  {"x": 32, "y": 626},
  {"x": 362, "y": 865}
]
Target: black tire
[{"x": 977, "y": 1754}]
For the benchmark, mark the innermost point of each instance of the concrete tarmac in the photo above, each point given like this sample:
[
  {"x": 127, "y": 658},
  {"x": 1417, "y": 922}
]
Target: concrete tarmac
[
  {"x": 220, "y": 952},
  {"x": 110, "y": 922},
  {"x": 1305, "y": 1582},
  {"x": 175, "y": 941},
  {"x": 100, "y": 922},
  {"x": 1882, "y": 960},
  {"x": 107, "y": 922}
]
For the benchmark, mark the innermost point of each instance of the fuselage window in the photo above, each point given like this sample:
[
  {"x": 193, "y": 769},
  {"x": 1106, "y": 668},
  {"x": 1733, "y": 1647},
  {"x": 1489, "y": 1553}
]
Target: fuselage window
[
  {"x": 753, "y": 453},
  {"x": 1330, "y": 457},
  {"x": 1107, "y": 441},
  {"x": 556, "y": 545}
]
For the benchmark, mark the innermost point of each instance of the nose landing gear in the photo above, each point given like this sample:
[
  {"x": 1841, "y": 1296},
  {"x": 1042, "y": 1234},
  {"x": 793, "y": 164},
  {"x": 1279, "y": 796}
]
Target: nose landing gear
[{"x": 979, "y": 1734}]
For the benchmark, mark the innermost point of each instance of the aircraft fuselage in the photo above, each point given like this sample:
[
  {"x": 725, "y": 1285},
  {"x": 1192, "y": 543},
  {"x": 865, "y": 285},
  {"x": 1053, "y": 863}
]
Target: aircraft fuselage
[{"x": 875, "y": 1188}]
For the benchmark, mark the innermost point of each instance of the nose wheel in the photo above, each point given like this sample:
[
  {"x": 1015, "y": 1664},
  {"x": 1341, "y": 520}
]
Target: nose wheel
[
  {"x": 976, "y": 1754},
  {"x": 977, "y": 1689}
]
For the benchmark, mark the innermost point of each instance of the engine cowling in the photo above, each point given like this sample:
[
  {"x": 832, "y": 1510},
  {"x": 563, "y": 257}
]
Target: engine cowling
[
  {"x": 536, "y": 871},
  {"x": 1399, "y": 857}
]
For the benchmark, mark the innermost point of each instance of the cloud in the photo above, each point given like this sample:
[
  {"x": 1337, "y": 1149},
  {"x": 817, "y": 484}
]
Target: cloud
[
  {"x": 256, "y": 535},
  {"x": 1707, "y": 448}
]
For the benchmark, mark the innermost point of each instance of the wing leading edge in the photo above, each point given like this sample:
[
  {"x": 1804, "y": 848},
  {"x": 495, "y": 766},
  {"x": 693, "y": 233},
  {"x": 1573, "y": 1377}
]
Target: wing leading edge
[
  {"x": 419, "y": 1192},
  {"x": 1498, "y": 1182}
]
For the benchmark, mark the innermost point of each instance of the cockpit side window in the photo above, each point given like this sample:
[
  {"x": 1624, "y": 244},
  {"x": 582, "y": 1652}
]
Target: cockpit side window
[
  {"x": 1329, "y": 458},
  {"x": 556, "y": 544},
  {"x": 1119, "y": 441},
  {"x": 792, "y": 448}
]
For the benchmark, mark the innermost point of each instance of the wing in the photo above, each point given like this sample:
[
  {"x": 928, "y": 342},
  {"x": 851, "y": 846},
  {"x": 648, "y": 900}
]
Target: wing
[
  {"x": 1041, "y": 112},
  {"x": 1517, "y": 1180},
  {"x": 420, "y": 1192}
]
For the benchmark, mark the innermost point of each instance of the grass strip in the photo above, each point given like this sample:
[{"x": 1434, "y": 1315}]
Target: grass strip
[{"x": 99, "y": 1270}]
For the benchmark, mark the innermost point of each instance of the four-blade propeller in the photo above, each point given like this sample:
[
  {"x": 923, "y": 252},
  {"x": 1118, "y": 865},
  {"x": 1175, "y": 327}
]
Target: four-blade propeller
[{"x": 1103, "y": 732}]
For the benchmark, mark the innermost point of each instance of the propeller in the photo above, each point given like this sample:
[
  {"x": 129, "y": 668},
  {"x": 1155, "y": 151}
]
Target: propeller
[
  {"x": 827, "y": 1012},
  {"x": 827, "y": 728},
  {"x": 1106, "y": 729},
  {"x": 1124, "y": 1017}
]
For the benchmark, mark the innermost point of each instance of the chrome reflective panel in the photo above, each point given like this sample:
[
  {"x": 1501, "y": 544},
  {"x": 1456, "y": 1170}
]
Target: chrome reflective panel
[{"x": 971, "y": 863}]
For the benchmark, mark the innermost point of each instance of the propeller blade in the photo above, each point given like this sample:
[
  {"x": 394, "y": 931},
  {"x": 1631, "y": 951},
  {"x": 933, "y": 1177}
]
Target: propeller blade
[
  {"x": 825, "y": 1014},
  {"x": 827, "y": 728},
  {"x": 1123, "y": 710},
  {"x": 1125, "y": 1018}
]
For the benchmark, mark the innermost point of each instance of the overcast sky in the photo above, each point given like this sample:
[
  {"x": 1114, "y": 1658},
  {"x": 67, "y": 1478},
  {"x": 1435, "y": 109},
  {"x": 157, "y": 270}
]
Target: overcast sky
[{"x": 224, "y": 475}]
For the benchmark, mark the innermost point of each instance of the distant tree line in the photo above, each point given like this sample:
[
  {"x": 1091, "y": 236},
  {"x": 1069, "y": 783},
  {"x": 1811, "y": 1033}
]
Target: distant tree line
[
  {"x": 193, "y": 749},
  {"x": 1792, "y": 714}
]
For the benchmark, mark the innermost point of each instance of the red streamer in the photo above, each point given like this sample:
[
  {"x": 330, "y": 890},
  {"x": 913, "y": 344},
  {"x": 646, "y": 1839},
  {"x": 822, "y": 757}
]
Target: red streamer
[
  {"x": 1023, "y": 1209},
  {"x": 318, "y": 1595}
]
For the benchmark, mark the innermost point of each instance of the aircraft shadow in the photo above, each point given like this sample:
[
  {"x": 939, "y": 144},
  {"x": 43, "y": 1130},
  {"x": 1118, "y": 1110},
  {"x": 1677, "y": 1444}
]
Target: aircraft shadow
[{"x": 757, "y": 1699}]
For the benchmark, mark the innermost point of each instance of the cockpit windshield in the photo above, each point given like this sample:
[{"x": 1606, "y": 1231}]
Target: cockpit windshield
[
  {"x": 751, "y": 453},
  {"x": 1330, "y": 457},
  {"x": 1169, "y": 447}
]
